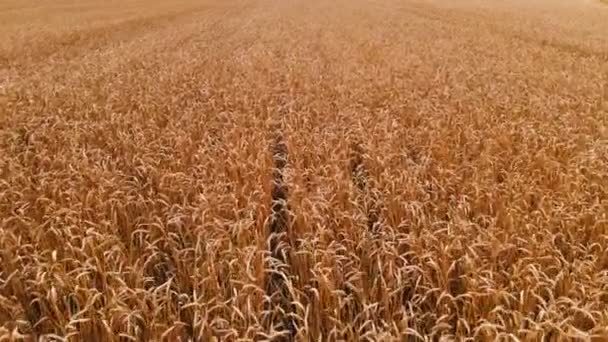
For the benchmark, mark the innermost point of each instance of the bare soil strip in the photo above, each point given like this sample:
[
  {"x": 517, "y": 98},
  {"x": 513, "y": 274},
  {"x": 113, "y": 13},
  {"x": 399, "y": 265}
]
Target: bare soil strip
[{"x": 279, "y": 297}]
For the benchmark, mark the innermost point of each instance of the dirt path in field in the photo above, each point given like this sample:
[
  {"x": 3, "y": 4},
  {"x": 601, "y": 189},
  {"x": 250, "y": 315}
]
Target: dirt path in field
[{"x": 446, "y": 175}]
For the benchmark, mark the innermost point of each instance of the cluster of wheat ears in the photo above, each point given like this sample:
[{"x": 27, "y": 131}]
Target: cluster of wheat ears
[{"x": 303, "y": 170}]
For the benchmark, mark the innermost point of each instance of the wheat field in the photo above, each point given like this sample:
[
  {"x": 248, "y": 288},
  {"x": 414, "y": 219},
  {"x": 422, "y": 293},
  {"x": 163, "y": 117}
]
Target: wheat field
[{"x": 303, "y": 170}]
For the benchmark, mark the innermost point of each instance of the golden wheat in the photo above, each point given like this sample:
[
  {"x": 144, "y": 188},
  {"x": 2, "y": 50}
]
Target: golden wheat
[{"x": 303, "y": 170}]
